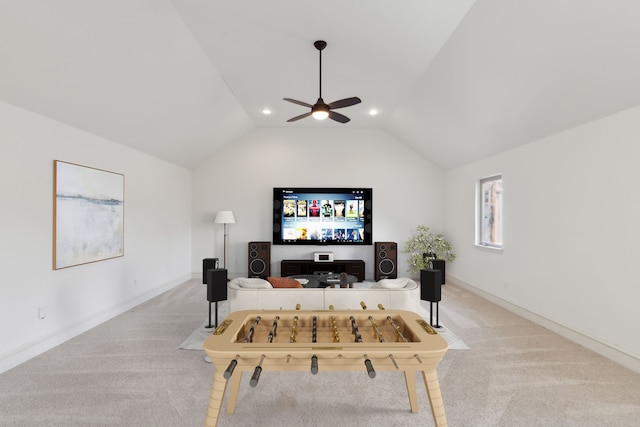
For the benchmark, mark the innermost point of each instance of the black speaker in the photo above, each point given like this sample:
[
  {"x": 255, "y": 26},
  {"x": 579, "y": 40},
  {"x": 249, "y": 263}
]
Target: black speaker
[
  {"x": 216, "y": 284},
  {"x": 430, "y": 285},
  {"x": 260, "y": 259},
  {"x": 208, "y": 264},
  {"x": 216, "y": 290},
  {"x": 386, "y": 256},
  {"x": 438, "y": 264}
]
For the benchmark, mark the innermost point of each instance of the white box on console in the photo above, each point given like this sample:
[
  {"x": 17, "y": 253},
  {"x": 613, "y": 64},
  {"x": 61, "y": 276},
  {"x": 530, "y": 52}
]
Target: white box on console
[{"x": 323, "y": 257}]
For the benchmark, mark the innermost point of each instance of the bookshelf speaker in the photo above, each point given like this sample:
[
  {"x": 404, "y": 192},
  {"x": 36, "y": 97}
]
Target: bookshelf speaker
[
  {"x": 430, "y": 285},
  {"x": 208, "y": 264},
  {"x": 216, "y": 284}
]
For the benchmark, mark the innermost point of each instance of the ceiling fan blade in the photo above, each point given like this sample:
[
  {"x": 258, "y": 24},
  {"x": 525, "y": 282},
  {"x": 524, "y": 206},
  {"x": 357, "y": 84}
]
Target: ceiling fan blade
[
  {"x": 347, "y": 102},
  {"x": 304, "y": 104},
  {"x": 338, "y": 117},
  {"x": 302, "y": 116}
]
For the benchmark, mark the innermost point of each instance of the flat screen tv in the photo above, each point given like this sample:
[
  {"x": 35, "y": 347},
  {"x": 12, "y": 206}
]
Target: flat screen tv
[{"x": 322, "y": 216}]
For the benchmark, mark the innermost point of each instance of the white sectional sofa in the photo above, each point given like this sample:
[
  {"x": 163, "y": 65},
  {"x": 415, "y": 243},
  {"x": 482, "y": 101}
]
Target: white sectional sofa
[{"x": 257, "y": 294}]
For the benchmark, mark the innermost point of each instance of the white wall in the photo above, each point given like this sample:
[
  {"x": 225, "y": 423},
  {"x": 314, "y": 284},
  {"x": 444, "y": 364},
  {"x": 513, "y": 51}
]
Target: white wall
[
  {"x": 407, "y": 190},
  {"x": 571, "y": 232},
  {"x": 157, "y": 235}
]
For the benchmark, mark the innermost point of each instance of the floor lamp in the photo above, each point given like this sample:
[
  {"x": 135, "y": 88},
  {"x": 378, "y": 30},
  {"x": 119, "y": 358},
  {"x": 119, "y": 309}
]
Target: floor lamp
[
  {"x": 222, "y": 217},
  {"x": 225, "y": 217}
]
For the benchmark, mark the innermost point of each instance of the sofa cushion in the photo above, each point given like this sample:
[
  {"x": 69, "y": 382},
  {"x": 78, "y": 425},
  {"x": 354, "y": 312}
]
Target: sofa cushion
[
  {"x": 284, "y": 282},
  {"x": 252, "y": 283},
  {"x": 398, "y": 283}
]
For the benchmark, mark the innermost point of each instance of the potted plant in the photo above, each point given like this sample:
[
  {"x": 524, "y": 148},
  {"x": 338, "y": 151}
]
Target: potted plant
[{"x": 424, "y": 247}]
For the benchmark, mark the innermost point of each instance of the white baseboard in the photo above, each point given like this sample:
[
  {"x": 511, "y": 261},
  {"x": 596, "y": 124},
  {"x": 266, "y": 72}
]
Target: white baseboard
[
  {"x": 597, "y": 345},
  {"x": 37, "y": 346}
]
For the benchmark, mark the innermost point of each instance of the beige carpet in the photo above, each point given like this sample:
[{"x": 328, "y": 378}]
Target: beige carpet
[{"x": 129, "y": 372}]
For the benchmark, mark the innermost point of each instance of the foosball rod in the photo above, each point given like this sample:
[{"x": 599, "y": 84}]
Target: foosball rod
[
  {"x": 249, "y": 337},
  {"x": 394, "y": 361},
  {"x": 294, "y": 330},
  {"x": 397, "y": 328},
  {"x": 376, "y": 332},
  {"x": 256, "y": 373},
  {"x": 314, "y": 332},
  {"x": 274, "y": 328},
  {"x": 354, "y": 330},
  {"x": 232, "y": 365},
  {"x": 334, "y": 329},
  {"x": 370, "y": 371}
]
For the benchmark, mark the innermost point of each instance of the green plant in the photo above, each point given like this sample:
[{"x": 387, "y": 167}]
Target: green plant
[{"x": 425, "y": 246}]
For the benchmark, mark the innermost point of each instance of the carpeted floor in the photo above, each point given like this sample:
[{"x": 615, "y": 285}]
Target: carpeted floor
[{"x": 130, "y": 372}]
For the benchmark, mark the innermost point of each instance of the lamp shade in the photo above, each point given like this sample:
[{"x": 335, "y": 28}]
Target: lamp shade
[{"x": 225, "y": 217}]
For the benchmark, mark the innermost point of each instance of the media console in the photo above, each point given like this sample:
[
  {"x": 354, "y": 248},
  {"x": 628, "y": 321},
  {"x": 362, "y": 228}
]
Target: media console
[{"x": 293, "y": 267}]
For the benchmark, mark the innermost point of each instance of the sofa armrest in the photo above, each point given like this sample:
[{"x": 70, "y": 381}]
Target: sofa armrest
[{"x": 241, "y": 298}]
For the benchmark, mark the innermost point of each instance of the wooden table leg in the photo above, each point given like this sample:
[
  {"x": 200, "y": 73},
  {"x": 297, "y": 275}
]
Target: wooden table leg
[
  {"x": 435, "y": 397},
  {"x": 215, "y": 401},
  {"x": 410, "y": 379},
  {"x": 233, "y": 392}
]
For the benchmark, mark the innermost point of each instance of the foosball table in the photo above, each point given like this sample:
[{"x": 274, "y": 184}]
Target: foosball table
[{"x": 317, "y": 340}]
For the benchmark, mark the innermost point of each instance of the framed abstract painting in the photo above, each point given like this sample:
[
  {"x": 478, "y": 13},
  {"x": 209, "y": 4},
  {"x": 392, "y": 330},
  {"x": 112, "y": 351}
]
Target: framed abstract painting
[{"x": 88, "y": 215}]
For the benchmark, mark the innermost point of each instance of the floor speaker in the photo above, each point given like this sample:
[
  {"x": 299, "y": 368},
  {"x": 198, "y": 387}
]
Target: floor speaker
[
  {"x": 430, "y": 285},
  {"x": 208, "y": 264},
  {"x": 259, "y": 259},
  {"x": 386, "y": 256},
  {"x": 216, "y": 284},
  {"x": 216, "y": 290},
  {"x": 439, "y": 264}
]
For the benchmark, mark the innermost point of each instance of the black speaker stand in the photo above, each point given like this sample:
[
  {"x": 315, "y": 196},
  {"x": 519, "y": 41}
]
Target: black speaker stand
[
  {"x": 210, "y": 325},
  {"x": 437, "y": 325}
]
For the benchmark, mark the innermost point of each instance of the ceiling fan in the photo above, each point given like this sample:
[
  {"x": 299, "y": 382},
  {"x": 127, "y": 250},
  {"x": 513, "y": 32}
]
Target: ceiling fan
[{"x": 320, "y": 110}]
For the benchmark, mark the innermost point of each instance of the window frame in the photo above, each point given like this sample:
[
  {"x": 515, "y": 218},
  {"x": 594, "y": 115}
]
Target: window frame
[{"x": 481, "y": 240}]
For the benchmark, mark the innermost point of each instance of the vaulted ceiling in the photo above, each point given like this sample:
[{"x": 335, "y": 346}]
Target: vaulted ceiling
[{"x": 457, "y": 80}]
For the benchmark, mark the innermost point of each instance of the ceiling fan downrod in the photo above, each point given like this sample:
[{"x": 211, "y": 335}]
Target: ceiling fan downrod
[{"x": 320, "y": 45}]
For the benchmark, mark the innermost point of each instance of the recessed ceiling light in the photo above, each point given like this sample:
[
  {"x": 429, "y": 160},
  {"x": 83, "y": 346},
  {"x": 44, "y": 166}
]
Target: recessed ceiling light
[
  {"x": 373, "y": 112},
  {"x": 266, "y": 111}
]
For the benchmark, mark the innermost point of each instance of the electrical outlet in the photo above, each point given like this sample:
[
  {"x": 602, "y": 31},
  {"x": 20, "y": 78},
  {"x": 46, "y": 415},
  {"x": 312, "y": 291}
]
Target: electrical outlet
[{"x": 42, "y": 312}]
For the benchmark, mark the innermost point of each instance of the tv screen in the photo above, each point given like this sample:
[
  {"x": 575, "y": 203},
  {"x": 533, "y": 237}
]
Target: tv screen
[{"x": 322, "y": 216}]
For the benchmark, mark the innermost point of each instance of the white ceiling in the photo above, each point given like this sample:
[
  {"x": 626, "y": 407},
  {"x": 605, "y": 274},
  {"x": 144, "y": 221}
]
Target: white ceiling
[{"x": 458, "y": 80}]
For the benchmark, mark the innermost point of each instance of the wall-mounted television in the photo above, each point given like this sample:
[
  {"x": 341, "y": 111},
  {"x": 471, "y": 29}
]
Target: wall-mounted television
[{"x": 322, "y": 216}]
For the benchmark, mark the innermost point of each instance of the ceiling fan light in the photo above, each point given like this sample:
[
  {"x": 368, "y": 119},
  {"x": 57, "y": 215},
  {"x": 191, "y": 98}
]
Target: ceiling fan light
[{"x": 320, "y": 114}]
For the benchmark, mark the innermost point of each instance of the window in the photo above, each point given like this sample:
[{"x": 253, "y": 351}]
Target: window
[{"x": 489, "y": 223}]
